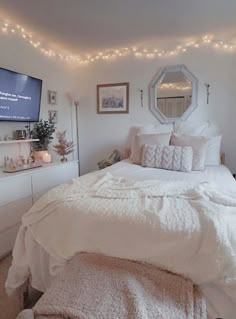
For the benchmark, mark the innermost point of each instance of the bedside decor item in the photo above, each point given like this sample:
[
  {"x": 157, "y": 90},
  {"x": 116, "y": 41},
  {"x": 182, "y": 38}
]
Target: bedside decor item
[
  {"x": 52, "y": 97},
  {"x": 53, "y": 116},
  {"x": 141, "y": 97},
  {"x": 207, "y": 85},
  {"x": 47, "y": 158},
  {"x": 63, "y": 147},
  {"x": 113, "y": 98},
  {"x": 112, "y": 159},
  {"x": 20, "y": 134},
  {"x": 43, "y": 131}
]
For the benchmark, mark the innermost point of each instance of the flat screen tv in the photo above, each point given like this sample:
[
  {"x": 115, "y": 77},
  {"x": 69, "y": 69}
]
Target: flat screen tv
[{"x": 20, "y": 97}]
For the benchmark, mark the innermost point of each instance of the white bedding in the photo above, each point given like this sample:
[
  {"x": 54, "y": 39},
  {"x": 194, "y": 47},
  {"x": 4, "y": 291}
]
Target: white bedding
[
  {"x": 186, "y": 224},
  {"x": 217, "y": 174}
]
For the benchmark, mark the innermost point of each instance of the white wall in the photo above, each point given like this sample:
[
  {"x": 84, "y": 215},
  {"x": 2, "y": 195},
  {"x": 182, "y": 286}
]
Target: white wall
[
  {"x": 100, "y": 134},
  {"x": 19, "y": 56}
]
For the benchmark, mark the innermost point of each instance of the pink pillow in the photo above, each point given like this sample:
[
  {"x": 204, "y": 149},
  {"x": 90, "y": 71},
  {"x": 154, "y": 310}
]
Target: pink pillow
[
  {"x": 151, "y": 139},
  {"x": 199, "y": 146}
]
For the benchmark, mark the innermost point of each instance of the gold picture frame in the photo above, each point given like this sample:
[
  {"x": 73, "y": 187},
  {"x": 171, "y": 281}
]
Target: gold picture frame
[{"x": 113, "y": 98}]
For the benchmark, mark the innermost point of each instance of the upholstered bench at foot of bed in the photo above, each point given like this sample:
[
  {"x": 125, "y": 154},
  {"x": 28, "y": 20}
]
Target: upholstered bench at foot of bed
[{"x": 97, "y": 286}]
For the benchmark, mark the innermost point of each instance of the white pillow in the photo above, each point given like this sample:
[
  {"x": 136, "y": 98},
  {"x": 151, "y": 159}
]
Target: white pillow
[
  {"x": 148, "y": 129},
  {"x": 207, "y": 129},
  {"x": 141, "y": 139},
  {"x": 176, "y": 158},
  {"x": 199, "y": 146},
  {"x": 213, "y": 150}
]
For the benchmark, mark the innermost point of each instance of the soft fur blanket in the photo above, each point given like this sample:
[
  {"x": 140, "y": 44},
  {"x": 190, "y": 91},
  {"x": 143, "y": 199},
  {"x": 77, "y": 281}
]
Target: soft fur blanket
[
  {"x": 186, "y": 229},
  {"x": 96, "y": 286}
]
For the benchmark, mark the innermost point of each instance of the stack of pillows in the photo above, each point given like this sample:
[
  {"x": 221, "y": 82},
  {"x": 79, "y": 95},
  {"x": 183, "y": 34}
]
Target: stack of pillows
[{"x": 189, "y": 147}]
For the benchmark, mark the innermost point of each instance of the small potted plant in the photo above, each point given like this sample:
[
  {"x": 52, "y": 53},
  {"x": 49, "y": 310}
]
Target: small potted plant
[{"x": 43, "y": 131}]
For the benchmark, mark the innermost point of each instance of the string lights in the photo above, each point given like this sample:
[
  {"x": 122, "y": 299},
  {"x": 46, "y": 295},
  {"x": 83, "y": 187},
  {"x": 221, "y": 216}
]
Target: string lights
[
  {"x": 8, "y": 28},
  {"x": 181, "y": 87}
]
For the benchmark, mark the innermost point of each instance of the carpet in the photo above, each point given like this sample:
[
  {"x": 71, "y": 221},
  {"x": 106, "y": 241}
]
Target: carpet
[{"x": 9, "y": 306}]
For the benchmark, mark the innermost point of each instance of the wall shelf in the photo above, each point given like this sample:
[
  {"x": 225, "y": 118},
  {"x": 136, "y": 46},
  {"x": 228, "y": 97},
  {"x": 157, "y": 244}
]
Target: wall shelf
[{"x": 19, "y": 141}]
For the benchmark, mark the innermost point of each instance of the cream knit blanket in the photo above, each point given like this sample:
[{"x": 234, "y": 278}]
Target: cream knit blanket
[{"x": 101, "y": 287}]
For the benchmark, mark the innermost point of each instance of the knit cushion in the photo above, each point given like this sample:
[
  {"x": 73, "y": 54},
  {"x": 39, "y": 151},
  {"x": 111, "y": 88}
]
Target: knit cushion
[{"x": 176, "y": 158}]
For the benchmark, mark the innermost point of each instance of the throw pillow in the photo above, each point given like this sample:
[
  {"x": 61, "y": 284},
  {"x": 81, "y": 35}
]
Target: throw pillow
[
  {"x": 140, "y": 140},
  {"x": 176, "y": 158},
  {"x": 199, "y": 146}
]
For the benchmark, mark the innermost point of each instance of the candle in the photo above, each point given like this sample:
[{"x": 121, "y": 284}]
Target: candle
[{"x": 47, "y": 158}]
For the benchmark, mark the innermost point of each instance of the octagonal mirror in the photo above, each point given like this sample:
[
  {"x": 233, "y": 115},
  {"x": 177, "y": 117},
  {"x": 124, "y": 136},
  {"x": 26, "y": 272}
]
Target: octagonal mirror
[{"x": 173, "y": 93}]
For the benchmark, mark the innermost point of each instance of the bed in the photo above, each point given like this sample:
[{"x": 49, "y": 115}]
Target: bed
[{"x": 42, "y": 247}]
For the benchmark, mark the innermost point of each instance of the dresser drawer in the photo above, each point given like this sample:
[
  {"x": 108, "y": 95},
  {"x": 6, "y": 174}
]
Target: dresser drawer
[
  {"x": 45, "y": 180},
  {"x": 14, "y": 188},
  {"x": 11, "y": 213}
]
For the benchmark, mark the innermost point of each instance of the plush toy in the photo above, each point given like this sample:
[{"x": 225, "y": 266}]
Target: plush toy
[{"x": 112, "y": 159}]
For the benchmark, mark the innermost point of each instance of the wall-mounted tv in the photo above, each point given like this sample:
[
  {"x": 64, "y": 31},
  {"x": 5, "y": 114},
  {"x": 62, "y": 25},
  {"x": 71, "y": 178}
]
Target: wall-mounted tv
[{"x": 20, "y": 97}]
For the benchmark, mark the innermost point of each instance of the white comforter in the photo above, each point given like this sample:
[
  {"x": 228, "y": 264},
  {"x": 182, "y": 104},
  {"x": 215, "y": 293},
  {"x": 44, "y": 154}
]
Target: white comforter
[{"x": 185, "y": 228}]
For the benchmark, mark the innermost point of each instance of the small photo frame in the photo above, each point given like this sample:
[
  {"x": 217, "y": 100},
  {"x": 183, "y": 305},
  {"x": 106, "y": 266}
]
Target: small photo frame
[
  {"x": 52, "y": 97},
  {"x": 53, "y": 116},
  {"x": 113, "y": 98}
]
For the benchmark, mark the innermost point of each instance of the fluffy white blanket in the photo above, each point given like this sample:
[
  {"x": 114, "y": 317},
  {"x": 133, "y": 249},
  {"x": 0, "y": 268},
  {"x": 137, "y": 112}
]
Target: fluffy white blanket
[{"x": 187, "y": 229}]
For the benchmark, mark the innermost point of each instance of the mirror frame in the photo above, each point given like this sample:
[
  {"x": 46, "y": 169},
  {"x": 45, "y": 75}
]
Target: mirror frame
[{"x": 152, "y": 93}]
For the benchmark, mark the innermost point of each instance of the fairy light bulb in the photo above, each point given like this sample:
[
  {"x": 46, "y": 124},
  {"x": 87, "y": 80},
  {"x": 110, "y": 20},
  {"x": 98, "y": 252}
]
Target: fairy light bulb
[{"x": 207, "y": 40}]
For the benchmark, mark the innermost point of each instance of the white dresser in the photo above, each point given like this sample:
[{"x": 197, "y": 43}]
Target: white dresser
[{"x": 18, "y": 192}]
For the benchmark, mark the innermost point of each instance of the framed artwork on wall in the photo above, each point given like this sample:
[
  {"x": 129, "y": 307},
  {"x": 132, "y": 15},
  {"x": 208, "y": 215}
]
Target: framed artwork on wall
[
  {"x": 53, "y": 116},
  {"x": 52, "y": 97},
  {"x": 113, "y": 98}
]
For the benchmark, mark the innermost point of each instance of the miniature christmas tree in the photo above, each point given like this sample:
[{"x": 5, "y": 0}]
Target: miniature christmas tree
[{"x": 63, "y": 147}]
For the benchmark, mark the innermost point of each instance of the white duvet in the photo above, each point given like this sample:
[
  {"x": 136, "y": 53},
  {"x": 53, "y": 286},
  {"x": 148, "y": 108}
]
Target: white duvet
[{"x": 183, "y": 227}]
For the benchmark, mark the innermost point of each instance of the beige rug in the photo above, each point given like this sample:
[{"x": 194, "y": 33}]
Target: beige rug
[{"x": 9, "y": 307}]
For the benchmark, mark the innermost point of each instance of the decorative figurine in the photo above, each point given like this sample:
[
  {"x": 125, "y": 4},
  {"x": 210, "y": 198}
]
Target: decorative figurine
[{"x": 63, "y": 147}]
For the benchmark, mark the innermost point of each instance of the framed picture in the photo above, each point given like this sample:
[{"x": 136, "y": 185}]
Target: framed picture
[
  {"x": 52, "y": 97},
  {"x": 113, "y": 98},
  {"x": 53, "y": 116}
]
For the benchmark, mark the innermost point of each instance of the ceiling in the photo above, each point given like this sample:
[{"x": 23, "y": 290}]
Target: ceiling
[{"x": 88, "y": 25}]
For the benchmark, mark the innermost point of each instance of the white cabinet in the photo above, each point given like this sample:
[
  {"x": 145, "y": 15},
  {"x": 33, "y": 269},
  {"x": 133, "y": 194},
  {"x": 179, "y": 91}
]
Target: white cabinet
[
  {"x": 18, "y": 191},
  {"x": 52, "y": 176}
]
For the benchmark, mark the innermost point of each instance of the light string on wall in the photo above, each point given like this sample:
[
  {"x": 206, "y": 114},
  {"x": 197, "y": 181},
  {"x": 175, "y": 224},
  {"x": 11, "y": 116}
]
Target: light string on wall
[
  {"x": 175, "y": 86},
  {"x": 10, "y": 29}
]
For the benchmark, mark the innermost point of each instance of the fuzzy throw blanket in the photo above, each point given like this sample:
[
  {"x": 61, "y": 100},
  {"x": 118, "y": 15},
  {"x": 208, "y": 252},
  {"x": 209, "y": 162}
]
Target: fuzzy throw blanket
[{"x": 97, "y": 286}]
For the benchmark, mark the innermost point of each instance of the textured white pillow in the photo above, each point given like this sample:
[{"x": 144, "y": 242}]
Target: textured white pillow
[
  {"x": 176, "y": 158},
  {"x": 140, "y": 140},
  {"x": 213, "y": 151},
  {"x": 199, "y": 146}
]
